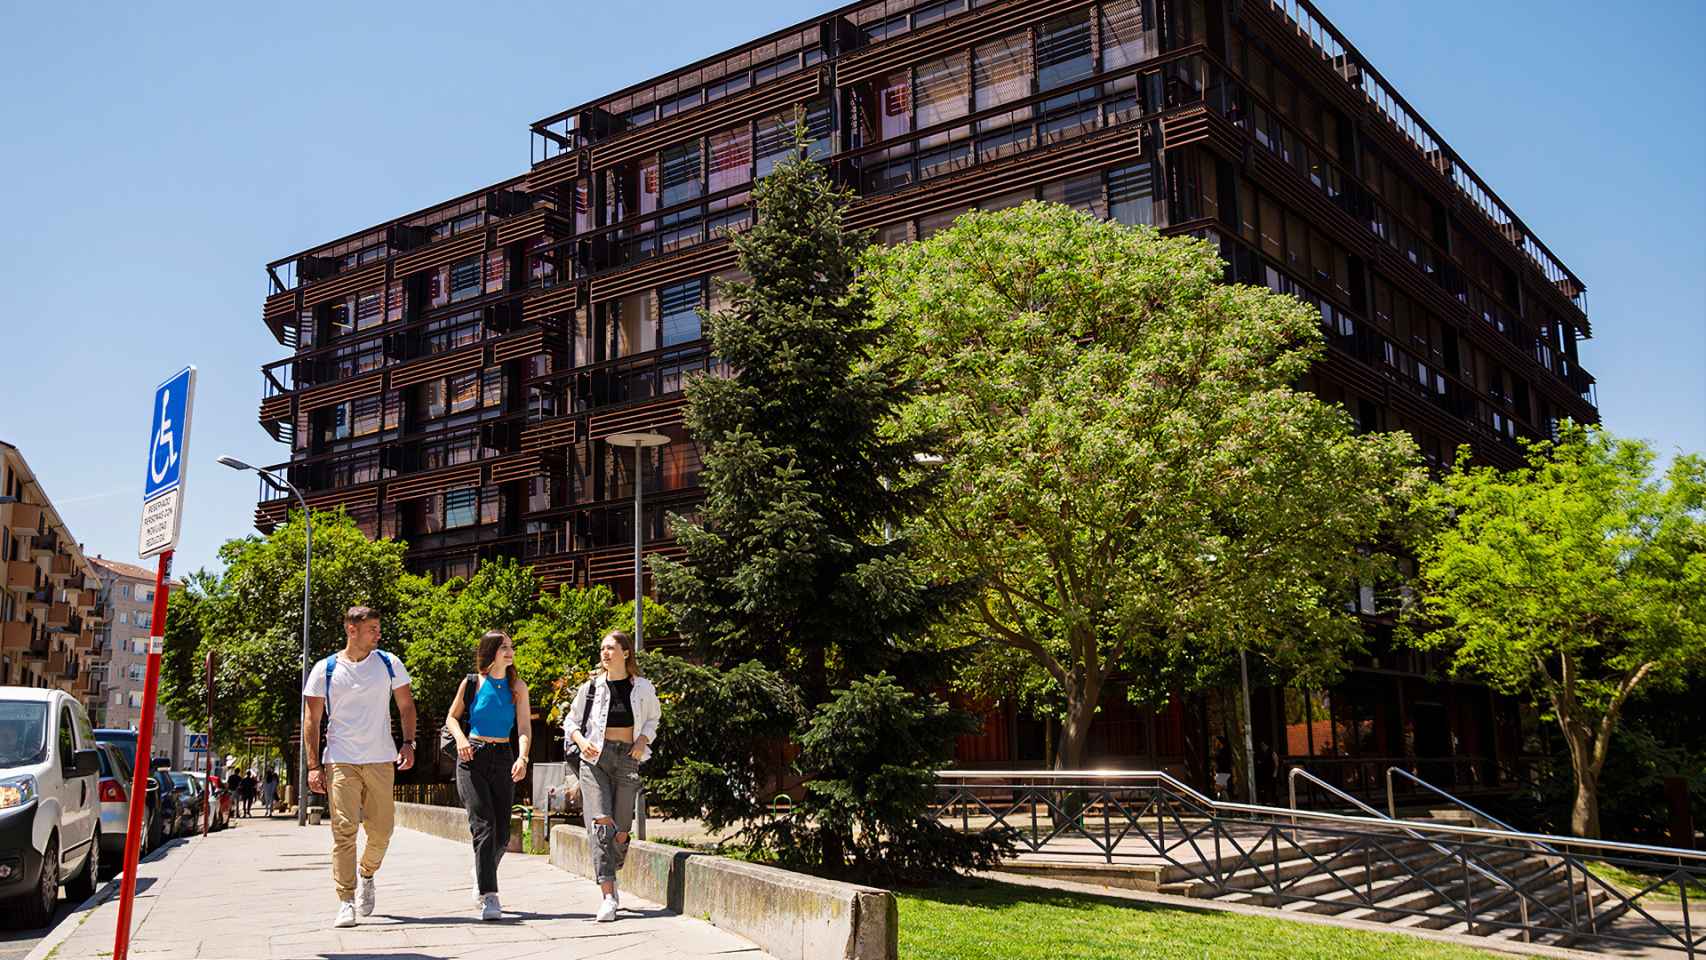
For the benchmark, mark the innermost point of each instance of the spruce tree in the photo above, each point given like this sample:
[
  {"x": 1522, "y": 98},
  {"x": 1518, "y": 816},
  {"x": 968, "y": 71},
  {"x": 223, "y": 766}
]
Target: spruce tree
[{"x": 792, "y": 559}]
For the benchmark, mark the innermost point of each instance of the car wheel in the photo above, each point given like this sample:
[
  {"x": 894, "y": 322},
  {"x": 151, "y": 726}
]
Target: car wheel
[
  {"x": 82, "y": 886},
  {"x": 37, "y": 906}
]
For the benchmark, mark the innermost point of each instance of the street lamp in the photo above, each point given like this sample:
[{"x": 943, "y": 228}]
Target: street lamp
[
  {"x": 640, "y": 441},
  {"x": 279, "y": 483}
]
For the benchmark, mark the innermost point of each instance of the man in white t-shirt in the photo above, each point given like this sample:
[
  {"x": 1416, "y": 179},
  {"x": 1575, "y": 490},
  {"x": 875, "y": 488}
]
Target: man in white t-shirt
[{"x": 354, "y": 688}]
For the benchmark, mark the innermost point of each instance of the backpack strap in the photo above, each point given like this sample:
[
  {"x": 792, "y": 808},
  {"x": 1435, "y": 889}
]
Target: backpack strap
[
  {"x": 390, "y": 673},
  {"x": 331, "y": 664}
]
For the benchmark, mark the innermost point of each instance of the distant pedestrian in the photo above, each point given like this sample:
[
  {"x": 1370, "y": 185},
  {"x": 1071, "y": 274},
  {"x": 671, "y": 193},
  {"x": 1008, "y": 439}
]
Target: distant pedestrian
[
  {"x": 269, "y": 791},
  {"x": 1267, "y": 767},
  {"x": 246, "y": 792},
  {"x": 613, "y": 721},
  {"x": 354, "y": 688},
  {"x": 1222, "y": 768},
  {"x": 493, "y": 702}
]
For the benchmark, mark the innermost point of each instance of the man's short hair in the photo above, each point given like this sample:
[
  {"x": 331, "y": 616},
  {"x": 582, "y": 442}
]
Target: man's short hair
[{"x": 359, "y": 614}]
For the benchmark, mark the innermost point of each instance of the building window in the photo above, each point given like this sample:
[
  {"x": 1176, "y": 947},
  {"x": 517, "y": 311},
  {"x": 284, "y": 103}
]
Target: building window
[
  {"x": 124, "y": 616},
  {"x": 464, "y": 392},
  {"x": 143, "y": 620},
  {"x": 1124, "y": 41},
  {"x": 773, "y": 141},
  {"x": 461, "y": 508},
  {"x": 1063, "y": 50},
  {"x": 135, "y": 671},
  {"x": 683, "y": 173},
  {"x": 124, "y": 591},
  {"x": 136, "y": 699},
  {"x": 1131, "y": 195},
  {"x": 731, "y": 158},
  {"x": 679, "y": 307},
  {"x": 138, "y": 647}
]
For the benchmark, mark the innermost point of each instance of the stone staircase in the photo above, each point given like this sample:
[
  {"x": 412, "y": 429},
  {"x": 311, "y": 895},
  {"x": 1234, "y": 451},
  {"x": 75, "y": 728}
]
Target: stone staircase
[{"x": 1407, "y": 882}]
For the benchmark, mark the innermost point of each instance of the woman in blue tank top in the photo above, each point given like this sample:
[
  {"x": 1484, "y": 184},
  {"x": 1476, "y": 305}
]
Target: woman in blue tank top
[{"x": 492, "y": 705}]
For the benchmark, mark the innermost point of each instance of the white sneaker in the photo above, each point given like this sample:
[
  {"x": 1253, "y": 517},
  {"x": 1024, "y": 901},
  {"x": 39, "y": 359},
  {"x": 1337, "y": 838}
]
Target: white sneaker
[
  {"x": 489, "y": 908},
  {"x": 346, "y": 914},
  {"x": 616, "y": 896},
  {"x": 607, "y": 910},
  {"x": 366, "y": 895}
]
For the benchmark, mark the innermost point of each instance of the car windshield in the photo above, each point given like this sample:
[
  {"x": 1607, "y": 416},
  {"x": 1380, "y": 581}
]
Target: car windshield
[{"x": 23, "y": 729}]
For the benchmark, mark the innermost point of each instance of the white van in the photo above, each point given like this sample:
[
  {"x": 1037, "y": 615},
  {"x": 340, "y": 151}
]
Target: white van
[{"x": 50, "y": 802}]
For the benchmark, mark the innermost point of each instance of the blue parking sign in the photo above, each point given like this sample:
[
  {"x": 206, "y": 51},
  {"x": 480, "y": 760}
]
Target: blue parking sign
[{"x": 168, "y": 434}]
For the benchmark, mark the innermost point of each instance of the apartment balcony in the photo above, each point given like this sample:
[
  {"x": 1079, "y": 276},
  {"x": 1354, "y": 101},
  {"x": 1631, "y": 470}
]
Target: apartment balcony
[
  {"x": 86, "y": 639},
  {"x": 85, "y": 600},
  {"x": 57, "y": 664},
  {"x": 22, "y": 576},
  {"x": 23, "y": 519},
  {"x": 16, "y": 635},
  {"x": 61, "y": 568},
  {"x": 58, "y": 616},
  {"x": 45, "y": 544}
]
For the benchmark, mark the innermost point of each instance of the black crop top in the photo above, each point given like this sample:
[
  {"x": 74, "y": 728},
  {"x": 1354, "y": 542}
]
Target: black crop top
[{"x": 621, "y": 703}]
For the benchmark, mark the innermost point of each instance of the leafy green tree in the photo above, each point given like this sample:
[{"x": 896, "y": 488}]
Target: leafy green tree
[
  {"x": 557, "y": 647},
  {"x": 725, "y": 733},
  {"x": 251, "y": 616},
  {"x": 872, "y": 752},
  {"x": 1577, "y": 579},
  {"x": 443, "y": 625},
  {"x": 1127, "y": 468},
  {"x": 786, "y": 563}
]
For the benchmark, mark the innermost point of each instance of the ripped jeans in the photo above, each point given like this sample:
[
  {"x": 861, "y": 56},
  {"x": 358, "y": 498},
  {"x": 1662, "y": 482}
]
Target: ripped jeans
[{"x": 608, "y": 789}]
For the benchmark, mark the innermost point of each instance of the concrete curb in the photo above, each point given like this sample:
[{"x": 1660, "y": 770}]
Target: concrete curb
[{"x": 789, "y": 915}]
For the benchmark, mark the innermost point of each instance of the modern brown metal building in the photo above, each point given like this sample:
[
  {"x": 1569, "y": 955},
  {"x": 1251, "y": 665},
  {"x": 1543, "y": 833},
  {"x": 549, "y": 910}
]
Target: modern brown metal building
[{"x": 449, "y": 376}]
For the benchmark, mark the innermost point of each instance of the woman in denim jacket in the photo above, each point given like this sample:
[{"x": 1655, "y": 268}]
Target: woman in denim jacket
[{"x": 616, "y": 736}]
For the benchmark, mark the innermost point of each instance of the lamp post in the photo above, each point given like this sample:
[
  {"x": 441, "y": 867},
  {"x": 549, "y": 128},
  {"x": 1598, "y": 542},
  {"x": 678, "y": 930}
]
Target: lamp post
[
  {"x": 279, "y": 483},
  {"x": 640, "y": 441}
]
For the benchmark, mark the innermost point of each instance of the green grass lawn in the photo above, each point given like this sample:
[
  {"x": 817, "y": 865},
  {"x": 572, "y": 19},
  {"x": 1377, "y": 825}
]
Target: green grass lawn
[
  {"x": 1631, "y": 881},
  {"x": 998, "y": 921}
]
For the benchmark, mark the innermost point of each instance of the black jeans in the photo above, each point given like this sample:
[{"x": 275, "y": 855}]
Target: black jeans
[{"x": 487, "y": 792}]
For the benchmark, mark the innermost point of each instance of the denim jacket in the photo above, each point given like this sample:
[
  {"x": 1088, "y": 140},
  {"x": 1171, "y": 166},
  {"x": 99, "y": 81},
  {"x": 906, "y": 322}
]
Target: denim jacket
[{"x": 644, "y": 700}]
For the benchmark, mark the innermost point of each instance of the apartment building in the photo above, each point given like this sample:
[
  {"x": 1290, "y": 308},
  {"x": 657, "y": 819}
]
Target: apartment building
[
  {"x": 50, "y": 612},
  {"x": 450, "y": 375}
]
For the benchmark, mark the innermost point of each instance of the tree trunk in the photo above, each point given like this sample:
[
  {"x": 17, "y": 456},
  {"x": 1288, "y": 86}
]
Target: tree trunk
[
  {"x": 1584, "y": 813},
  {"x": 1075, "y": 732}
]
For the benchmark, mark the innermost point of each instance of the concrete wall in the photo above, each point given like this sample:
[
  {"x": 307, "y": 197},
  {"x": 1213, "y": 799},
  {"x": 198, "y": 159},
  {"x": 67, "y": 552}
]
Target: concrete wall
[
  {"x": 451, "y": 823},
  {"x": 790, "y": 915}
]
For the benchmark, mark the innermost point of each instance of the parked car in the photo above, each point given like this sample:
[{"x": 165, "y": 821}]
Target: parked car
[
  {"x": 115, "y": 787},
  {"x": 192, "y": 797},
  {"x": 123, "y": 743},
  {"x": 174, "y": 811},
  {"x": 50, "y": 806}
]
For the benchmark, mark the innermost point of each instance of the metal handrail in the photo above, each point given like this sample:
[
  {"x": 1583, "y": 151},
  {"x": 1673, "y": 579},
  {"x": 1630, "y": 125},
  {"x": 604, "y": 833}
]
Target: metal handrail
[
  {"x": 1335, "y": 818},
  {"x": 1392, "y": 803},
  {"x": 1291, "y": 782}
]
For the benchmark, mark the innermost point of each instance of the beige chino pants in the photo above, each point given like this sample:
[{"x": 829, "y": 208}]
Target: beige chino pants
[{"x": 360, "y": 794}]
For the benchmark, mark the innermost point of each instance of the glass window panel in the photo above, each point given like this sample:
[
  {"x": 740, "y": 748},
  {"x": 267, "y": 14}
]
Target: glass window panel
[
  {"x": 465, "y": 278},
  {"x": 493, "y": 387},
  {"x": 370, "y": 308},
  {"x": 944, "y": 90},
  {"x": 679, "y": 307},
  {"x": 895, "y": 94},
  {"x": 1063, "y": 50},
  {"x": 367, "y": 414},
  {"x": 1001, "y": 71},
  {"x": 461, "y": 508},
  {"x": 637, "y": 324},
  {"x": 683, "y": 173},
  {"x": 1083, "y": 193},
  {"x": 731, "y": 158},
  {"x": 464, "y": 391},
  {"x": 1131, "y": 195},
  {"x": 1124, "y": 41}
]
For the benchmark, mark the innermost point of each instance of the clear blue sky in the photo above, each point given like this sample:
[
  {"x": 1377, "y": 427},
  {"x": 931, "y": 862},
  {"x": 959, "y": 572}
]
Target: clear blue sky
[{"x": 156, "y": 156}]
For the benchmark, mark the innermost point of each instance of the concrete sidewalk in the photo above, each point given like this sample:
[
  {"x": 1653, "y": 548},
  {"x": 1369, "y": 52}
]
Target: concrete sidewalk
[{"x": 263, "y": 890}]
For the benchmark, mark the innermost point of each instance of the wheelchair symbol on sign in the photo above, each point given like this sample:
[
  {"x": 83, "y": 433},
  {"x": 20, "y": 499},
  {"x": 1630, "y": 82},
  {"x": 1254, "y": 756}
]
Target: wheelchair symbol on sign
[{"x": 157, "y": 470}]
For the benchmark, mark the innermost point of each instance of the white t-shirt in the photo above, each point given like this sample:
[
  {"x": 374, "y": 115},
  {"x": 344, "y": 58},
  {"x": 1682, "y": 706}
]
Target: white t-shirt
[{"x": 359, "y": 730}]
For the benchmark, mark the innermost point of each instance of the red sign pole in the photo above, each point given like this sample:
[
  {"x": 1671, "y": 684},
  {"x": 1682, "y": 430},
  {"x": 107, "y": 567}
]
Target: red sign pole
[
  {"x": 144, "y": 751},
  {"x": 207, "y": 808}
]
